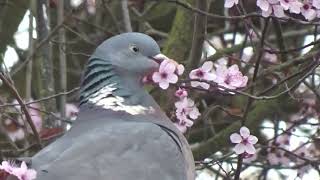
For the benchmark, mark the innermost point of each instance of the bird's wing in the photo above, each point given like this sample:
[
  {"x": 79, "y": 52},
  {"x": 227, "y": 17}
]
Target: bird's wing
[{"x": 116, "y": 151}]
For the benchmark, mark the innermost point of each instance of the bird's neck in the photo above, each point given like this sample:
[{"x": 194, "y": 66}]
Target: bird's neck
[{"x": 118, "y": 92}]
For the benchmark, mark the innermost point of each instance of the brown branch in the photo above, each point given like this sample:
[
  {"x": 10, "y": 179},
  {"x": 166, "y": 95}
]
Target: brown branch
[
  {"x": 230, "y": 18},
  {"x": 22, "y": 105},
  {"x": 43, "y": 99}
]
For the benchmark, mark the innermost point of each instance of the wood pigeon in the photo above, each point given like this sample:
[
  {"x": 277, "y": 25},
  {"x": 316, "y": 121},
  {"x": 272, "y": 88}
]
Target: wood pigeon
[{"x": 120, "y": 133}]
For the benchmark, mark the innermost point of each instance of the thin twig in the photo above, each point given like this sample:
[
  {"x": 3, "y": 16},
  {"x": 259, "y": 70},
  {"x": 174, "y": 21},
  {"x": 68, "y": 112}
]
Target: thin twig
[{"x": 22, "y": 105}]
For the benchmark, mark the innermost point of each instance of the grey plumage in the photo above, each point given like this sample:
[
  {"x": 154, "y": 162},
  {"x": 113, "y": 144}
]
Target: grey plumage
[{"x": 121, "y": 133}]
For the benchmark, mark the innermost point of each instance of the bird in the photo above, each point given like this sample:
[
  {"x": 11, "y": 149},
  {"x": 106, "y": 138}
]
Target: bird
[{"x": 120, "y": 133}]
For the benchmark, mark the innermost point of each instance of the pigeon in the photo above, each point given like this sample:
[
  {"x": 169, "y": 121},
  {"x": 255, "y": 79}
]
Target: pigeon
[{"x": 120, "y": 133}]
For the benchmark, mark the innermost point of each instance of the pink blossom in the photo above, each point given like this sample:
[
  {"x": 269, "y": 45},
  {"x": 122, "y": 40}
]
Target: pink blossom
[
  {"x": 166, "y": 74},
  {"x": 230, "y": 3},
  {"x": 270, "y": 6},
  {"x": 292, "y": 5},
  {"x": 71, "y": 111},
  {"x": 244, "y": 141},
  {"x": 6, "y": 166},
  {"x": 186, "y": 112},
  {"x": 202, "y": 73},
  {"x": 231, "y": 77},
  {"x": 307, "y": 11},
  {"x": 180, "y": 69},
  {"x": 181, "y": 93},
  {"x": 23, "y": 173}
]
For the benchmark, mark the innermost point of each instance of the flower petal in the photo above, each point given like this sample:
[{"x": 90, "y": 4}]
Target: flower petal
[
  {"x": 156, "y": 77},
  {"x": 163, "y": 65},
  {"x": 170, "y": 68},
  {"x": 278, "y": 11},
  {"x": 209, "y": 76},
  {"x": 263, "y": 4},
  {"x": 207, "y": 66},
  {"x": 249, "y": 148},
  {"x": 193, "y": 74},
  {"x": 228, "y": 3},
  {"x": 239, "y": 148},
  {"x": 244, "y": 132},
  {"x": 180, "y": 69},
  {"x": 204, "y": 85},
  {"x": 252, "y": 139},
  {"x": 164, "y": 85},
  {"x": 235, "y": 138},
  {"x": 195, "y": 83},
  {"x": 172, "y": 78}
]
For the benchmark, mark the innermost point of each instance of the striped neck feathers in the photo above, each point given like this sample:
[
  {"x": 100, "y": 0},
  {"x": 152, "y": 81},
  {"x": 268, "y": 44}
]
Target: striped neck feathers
[{"x": 102, "y": 86}]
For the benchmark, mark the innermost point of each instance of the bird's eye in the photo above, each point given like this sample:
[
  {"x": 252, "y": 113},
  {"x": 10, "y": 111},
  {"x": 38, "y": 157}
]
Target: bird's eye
[{"x": 134, "y": 48}]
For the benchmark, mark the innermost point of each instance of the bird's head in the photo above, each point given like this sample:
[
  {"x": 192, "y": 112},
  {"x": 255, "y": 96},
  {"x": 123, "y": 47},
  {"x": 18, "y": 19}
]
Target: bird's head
[
  {"x": 131, "y": 53},
  {"x": 118, "y": 66}
]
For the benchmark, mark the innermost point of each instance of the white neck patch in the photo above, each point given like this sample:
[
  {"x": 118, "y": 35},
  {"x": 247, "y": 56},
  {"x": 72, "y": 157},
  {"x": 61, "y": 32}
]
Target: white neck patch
[{"x": 103, "y": 99}]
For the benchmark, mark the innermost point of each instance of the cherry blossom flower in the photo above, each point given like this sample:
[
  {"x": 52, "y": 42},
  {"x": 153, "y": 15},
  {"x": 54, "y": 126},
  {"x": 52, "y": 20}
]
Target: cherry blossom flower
[
  {"x": 181, "y": 93},
  {"x": 186, "y": 112},
  {"x": 231, "y": 77},
  {"x": 230, "y": 3},
  {"x": 202, "y": 73},
  {"x": 6, "y": 166},
  {"x": 165, "y": 75},
  {"x": 244, "y": 141},
  {"x": 71, "y": 111},
  {"x": 23, "y": 173},
  {"x": 292, "y": 5},
  {"x": 270, "y": 6},
  {"x": 307, "y": 11}
]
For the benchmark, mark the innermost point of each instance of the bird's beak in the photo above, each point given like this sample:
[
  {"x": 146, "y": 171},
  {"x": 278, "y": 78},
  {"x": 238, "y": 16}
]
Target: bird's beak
[{"x": 161, "y": 57}]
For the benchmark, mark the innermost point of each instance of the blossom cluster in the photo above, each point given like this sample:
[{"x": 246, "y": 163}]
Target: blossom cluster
[
  {"x": 230, "y": 78},
  {"x": 22, "y": 172},
  {"x": 186, "y": 111},
  {"x": 310, "y": 9},
  {"x": 13, "y": 126}
]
